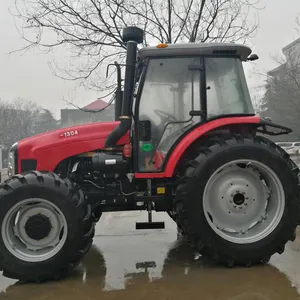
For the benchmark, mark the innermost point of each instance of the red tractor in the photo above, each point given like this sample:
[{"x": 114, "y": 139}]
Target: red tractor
[{"x": 185, "y": 141}]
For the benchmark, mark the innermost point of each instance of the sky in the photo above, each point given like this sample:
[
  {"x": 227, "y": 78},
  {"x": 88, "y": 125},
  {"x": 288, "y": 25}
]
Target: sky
[{"x": 29, "y": 76}]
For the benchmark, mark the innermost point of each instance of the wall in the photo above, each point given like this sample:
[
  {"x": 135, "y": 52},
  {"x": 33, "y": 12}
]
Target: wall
[{"x": 70, "y": 117}]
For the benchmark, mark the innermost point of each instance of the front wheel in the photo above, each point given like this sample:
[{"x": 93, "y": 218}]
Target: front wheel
[
  {"x": 239, "y": 200},
  {"x": 46, "y": 227}
]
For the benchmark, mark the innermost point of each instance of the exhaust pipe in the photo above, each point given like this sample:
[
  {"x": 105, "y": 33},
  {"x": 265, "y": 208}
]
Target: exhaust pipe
[
  {"x": 119, "y": 93},
  {"x": 132, "y": 36}
]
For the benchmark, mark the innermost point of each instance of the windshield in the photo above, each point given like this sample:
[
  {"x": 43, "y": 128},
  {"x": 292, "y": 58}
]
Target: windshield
[
  {"x": 172, "y": 90},
  {"x": 167, "y": 90}
]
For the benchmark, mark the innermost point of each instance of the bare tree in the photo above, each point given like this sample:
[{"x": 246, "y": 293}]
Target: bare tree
[
  {"x": 20, "y": 119},
  {"x": 258, "y": 100},
  {"x": 91, "y": 30},
  {"x": 16, "y": 120},
  {"x": 298, "y": 24}
]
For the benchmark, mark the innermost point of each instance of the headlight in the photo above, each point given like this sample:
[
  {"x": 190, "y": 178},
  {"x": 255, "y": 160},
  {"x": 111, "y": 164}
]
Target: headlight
[{"x": 12, "y": 160}]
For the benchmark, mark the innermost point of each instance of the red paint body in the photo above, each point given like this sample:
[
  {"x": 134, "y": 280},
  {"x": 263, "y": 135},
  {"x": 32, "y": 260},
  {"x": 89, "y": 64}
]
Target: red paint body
[
  {"x": 50, "y": 148},
  {"x": 191, "y": 137}
]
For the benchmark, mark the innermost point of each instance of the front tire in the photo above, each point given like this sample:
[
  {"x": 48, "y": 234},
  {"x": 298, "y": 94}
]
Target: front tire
[
  {"x": 238, "y": 201},
  {"x": 46, "y": 227}
]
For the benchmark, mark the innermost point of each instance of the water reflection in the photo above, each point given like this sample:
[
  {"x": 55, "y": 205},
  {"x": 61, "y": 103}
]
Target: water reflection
[{"x": 180, "y": 277}]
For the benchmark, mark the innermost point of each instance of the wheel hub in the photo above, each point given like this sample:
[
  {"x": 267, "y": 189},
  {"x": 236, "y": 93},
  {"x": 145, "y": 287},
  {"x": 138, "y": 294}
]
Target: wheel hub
[
  {"x": 34, "y": 230},
  {"x": 239, "y": 199},
  {"x": 235, "y": 193},
  {"x": 38, "y": 227},
  {"x": 243, "y": 199}
]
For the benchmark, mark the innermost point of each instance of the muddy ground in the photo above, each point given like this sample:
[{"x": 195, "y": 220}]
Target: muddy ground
[{"x": 129, "y": 264}]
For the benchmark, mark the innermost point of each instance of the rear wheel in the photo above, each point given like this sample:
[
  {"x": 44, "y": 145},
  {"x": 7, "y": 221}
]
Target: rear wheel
[
  {"x": 46, "y": 227},
  {"x": 238, "y": 201},
  {"x": 180, "y": 232}
]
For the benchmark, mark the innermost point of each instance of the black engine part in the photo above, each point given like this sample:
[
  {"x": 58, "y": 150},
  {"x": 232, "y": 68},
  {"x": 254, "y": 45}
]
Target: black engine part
[{"x": 105, "y": 163}]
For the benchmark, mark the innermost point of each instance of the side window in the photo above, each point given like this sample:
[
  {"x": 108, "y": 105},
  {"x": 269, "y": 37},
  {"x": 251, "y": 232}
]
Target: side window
[{"x": 227, "y": 91}]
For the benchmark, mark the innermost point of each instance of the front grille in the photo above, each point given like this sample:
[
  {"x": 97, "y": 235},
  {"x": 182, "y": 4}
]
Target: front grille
[{"x": 28, "y": 165}]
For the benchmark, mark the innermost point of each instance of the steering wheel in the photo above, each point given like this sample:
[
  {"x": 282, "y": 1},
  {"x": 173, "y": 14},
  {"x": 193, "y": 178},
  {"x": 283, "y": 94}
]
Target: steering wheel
[{"x": 162, "y": 114}]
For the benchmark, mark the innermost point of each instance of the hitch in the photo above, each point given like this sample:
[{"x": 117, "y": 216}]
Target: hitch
[{"x": 150, "y": 224}]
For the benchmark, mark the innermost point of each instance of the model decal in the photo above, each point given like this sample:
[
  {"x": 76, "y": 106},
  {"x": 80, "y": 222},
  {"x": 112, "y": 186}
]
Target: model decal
[{"x": 69, "y": 133}]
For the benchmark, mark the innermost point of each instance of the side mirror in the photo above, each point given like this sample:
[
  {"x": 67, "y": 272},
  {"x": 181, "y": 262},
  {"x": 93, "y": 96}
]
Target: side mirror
[{"x": 253, "y": 57}]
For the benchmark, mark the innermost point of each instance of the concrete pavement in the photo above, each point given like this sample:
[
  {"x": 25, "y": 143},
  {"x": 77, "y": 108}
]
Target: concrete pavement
[{"x": 129, "y": 264}]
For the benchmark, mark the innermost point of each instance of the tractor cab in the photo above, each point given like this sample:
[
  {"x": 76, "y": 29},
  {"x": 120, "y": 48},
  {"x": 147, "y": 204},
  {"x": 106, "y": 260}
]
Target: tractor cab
[{"x": 181, "y": 86}]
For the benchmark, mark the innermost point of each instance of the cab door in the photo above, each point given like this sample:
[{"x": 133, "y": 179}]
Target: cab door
[{"x": 171, "y": 91}]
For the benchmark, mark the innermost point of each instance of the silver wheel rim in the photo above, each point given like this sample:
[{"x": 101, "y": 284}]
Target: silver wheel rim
[
  {"x": 20, "y": 244},
  {"x": 243, "y": 201}
]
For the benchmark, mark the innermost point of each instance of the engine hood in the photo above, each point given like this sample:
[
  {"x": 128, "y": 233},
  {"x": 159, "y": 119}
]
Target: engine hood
[{"x": 51, "y": 147}]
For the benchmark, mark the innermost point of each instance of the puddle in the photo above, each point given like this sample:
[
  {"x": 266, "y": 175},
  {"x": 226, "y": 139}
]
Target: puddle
[{"x": 129, "y": 264}]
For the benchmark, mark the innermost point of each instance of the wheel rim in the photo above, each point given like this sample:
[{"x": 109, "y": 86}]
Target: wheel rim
[
  {"x": 243, "y": 201},
  {"x": 34, "y": 230}
]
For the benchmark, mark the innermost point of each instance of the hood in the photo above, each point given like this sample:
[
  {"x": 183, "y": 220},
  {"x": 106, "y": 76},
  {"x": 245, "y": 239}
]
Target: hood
[
  {"x": 69, "y": 135},
  {"x": 51, "y": 147}
]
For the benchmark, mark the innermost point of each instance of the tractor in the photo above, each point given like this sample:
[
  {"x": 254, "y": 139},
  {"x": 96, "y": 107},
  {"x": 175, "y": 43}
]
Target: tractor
[{"x": 185, "y": 141}]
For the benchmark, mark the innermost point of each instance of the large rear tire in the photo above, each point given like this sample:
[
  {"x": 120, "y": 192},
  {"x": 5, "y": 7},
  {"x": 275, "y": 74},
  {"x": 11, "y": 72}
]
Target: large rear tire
[
  {"x": 238, "y": 201},
  {"x": 46, "y": 227}
]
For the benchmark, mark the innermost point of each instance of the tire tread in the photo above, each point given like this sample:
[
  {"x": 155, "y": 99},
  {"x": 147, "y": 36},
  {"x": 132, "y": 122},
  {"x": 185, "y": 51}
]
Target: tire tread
[
  {"x": 83, "y": 209},
  {"x": 215, "y": 144}
]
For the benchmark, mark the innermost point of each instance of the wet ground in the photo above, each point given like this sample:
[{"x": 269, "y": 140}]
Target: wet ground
[{"x": 129, "y": 264}]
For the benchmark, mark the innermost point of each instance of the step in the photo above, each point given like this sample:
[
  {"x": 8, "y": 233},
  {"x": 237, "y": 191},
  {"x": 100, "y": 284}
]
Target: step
[{"x": 149, "y": 225}]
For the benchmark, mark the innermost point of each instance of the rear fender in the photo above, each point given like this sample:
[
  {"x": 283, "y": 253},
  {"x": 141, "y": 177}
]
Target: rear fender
[{"x": 253, "y": 123}]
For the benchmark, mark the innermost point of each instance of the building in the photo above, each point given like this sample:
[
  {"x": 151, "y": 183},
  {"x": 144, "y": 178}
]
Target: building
[
  {"x": 100, "y": 111},
  {"x": 291, "y": 53},
  {"x": 282, "y": 96}
]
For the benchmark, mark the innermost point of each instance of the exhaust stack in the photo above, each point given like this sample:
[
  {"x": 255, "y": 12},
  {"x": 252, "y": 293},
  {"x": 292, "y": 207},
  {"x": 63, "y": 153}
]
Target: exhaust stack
[{"x": 132, "y": 36}]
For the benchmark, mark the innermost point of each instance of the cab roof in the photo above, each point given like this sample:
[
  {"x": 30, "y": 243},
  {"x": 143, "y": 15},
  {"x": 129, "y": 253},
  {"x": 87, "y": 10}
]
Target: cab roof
[{"x": 191, "y": 49}]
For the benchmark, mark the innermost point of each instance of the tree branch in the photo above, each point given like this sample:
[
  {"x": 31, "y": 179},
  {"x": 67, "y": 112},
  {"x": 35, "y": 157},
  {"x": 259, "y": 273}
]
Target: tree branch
[{"x": 90, "y": 31}]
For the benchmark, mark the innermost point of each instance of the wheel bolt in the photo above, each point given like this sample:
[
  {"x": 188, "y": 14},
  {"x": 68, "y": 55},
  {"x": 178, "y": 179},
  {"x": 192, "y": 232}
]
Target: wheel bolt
[
  {"x": 240, "y": 207},
  {"x": 234, "y": 206},
  {"x": 230, "y": 201},
  {"x": 245, "y": 203},
  {"x": 243, "y": 193}
]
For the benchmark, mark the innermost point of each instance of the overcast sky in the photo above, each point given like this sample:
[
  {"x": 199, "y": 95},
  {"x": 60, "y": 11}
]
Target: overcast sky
[{"x": 29, "y": 75}]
